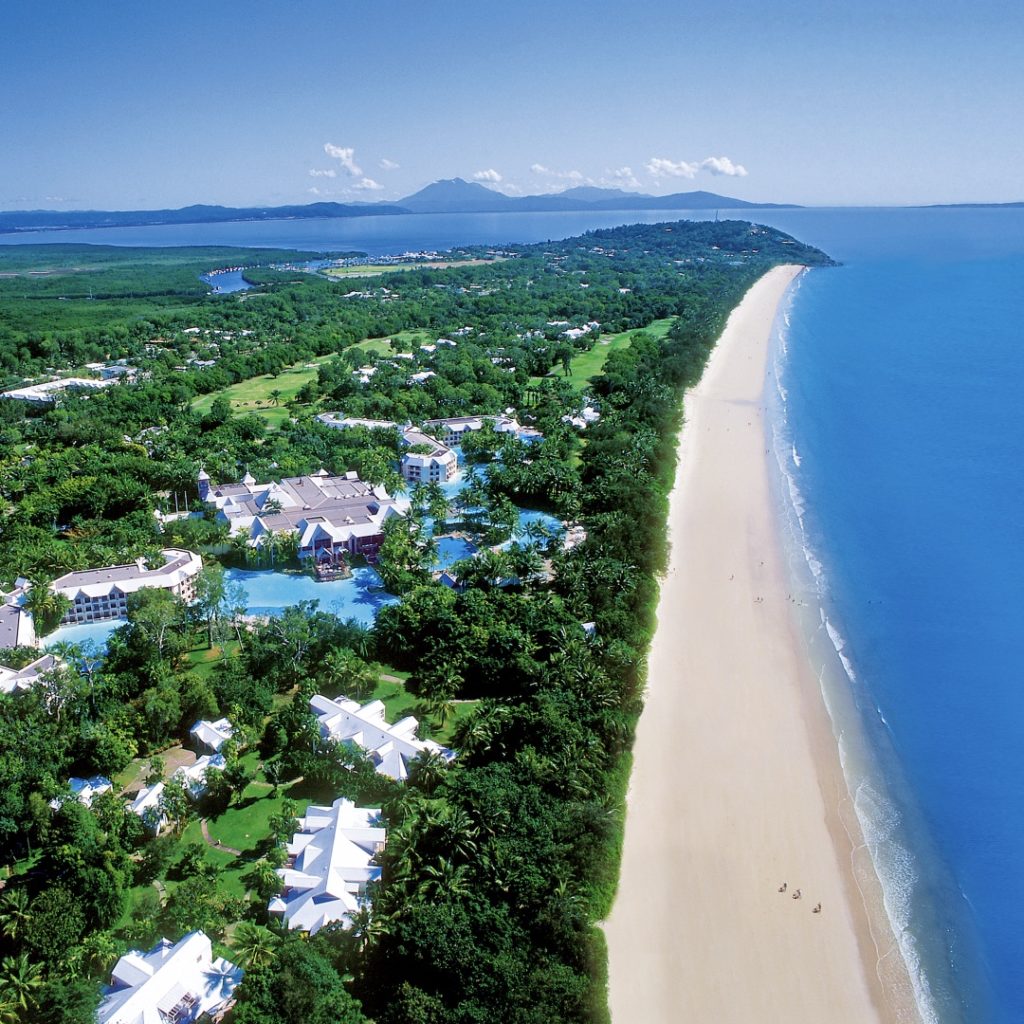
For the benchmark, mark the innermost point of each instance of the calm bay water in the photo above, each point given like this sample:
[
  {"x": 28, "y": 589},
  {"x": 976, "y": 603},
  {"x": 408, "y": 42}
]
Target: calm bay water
[{"x": 899, "y": 434}]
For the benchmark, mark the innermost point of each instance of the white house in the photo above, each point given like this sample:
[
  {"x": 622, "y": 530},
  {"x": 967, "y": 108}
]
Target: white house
[
  {"x": 148, "y": 802},
  {"x": 391, "y": 747},
  {"x": 97, "y": 594},
  {"x": 86, "y": 790},
  {"x": 330, "y": 862},
  {"x": 174, "y": 983},
  {"x": 19, "y": 680},
  {"x": 211, "y": 735}
]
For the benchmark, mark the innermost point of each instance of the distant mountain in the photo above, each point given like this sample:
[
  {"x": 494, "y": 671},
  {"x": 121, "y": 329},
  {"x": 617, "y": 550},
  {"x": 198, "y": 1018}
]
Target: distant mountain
[
  {"x": 454, "y": 195},
  {"x": 56, "y": 220}
]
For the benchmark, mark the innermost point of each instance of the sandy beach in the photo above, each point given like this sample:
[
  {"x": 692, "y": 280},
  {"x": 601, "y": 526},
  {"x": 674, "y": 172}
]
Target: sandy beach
[{"x": 736, "y": 786}]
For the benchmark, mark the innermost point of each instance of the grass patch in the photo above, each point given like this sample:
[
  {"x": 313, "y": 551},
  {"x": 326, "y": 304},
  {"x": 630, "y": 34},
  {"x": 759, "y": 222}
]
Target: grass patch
[
  {"x": 255, "y": 395},
  {"x": 589, "y": 364},
  {"x": 382, "y": 346},
  {"x": 376, "y": 269}
]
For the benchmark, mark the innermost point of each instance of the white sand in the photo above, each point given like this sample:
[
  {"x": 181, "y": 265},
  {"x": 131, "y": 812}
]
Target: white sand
[{"x": 736, "y": 783}]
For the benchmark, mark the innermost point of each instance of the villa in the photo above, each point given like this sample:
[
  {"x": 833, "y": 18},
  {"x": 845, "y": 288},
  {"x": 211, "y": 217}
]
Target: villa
[
  {"x": 17, "y": 628},
  {"x": 174, "y": 983},
  {"x": 390, "y": 747},
  {"x": 212, "y": 735},
  {"x": 97, "y": 594},
  {"x": 330, "y": 863},
  {"x": 21, "y": 680},
  {"x": 148, "y": 802},
  {"x": 331, "y": 515},
  {"x": 86, "y": 790}
]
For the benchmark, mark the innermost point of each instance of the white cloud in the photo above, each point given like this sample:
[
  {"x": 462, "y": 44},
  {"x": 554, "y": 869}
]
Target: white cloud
[
  {"x": 576, "y": 177},
  {"x": 313, "y": 190},
  {"x": 330, "y": 172},
  {"x": 723, "y": 165},
  {"x": 388, "y": 165},
  {"x": 346, "y": 155},
  {"x": 660, "y": 167},
  {"x": 368, "y": 185},
  {"x": 624, "y": 176},
  {"x": 490, "y": 175}
]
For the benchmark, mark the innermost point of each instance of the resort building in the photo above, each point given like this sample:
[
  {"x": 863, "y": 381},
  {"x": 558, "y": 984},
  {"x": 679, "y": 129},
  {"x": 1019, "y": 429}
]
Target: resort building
[
  {"x": 436, "y": 465},
  {"x": 86, "y": 790},
  {"x": 46, "y": 393},
  {"x": 20, "y": 680},
  {"x": 330, "y": 863},
  {"x": 390, "y": 747},
  {"x": 452, "y": 430},
  {"x": 211, "y": 735},
  {"x": 174, "y": 983},
  {"x": 17, "y": 628},
  {"x": 148, "y": 802},
  {"x": 97, "y": 594},
  {"x": 331, "y": 515}
]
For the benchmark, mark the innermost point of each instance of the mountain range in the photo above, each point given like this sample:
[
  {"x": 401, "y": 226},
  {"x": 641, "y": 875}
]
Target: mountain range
[{"x": 452, "y": 195}]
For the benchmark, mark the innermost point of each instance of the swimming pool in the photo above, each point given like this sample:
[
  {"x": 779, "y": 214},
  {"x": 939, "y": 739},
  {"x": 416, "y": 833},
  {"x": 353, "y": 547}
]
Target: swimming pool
[{"x": 270, "y": 591}]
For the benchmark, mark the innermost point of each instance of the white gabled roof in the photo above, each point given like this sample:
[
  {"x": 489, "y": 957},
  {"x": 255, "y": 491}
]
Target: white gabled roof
[
  {"x": 212, "y": 734},
  {"x": 331, "y": 862},
  {"x": 391, "y": 747},
  {"x": 147, "y": 988}
]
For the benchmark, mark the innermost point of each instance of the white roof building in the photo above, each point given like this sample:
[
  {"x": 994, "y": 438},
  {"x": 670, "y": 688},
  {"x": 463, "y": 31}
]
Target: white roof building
[
  {"x": 45, "y": 394},
  {"x": 173, "y": 983},
  {"x": 147, "y": 802},
  {"x": 212, "y": 735},
  {"x": 17, "y": 628},
  {"x": 330, "y": 862},
  {"x": 20, "y": 680},
  {"x": 86, "y": 790},
  {"x": 97, "y": 594},
  {"x": 391, "y": 747}
]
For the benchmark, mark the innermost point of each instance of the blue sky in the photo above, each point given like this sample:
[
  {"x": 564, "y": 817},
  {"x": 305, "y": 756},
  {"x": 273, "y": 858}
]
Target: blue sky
[{"x": 120, "y": 105}]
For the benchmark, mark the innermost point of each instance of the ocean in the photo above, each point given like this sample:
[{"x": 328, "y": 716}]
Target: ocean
[{"x": 898, "y": 430}]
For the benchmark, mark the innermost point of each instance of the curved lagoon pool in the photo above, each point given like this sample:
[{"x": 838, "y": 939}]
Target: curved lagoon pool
[{"x": 270, "y": 591}]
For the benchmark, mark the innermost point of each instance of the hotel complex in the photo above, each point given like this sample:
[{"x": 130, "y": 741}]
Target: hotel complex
[
  {"x": 331, "y": 515},
  {"x": 97, "y": 594}
]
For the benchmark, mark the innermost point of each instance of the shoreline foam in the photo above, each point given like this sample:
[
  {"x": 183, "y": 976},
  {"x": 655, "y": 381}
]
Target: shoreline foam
[{"x": 737, "y": 784}]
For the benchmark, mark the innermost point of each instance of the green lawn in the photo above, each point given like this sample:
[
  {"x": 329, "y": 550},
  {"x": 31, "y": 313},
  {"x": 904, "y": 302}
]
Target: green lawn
[
  {"x": 589, "y": 364},
  {"x": 382, "y": 346},
  {"x": 254, "y": 395}
]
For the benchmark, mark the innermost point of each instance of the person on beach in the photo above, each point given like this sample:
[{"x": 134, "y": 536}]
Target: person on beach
[
  {"x": 817, "y": 909},
  {"x": 796, "y": 895},
  {"x": 782, "y": 888}
]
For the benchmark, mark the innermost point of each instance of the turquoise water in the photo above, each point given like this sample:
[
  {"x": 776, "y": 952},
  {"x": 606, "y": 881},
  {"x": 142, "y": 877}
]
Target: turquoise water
[
  {"x": 269, "y": 592},
  {"x": 899, "y": 436},
  {"x": 84, "y": 633},
  {"x": 451, "y": 549}
]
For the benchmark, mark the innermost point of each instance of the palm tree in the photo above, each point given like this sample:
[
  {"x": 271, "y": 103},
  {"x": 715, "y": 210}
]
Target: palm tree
[
  {"x": 255, "y": 945},
  {"x": 14, "y": 913},
  {"x": 19, "y": 980},
  {"x": 47, "y": 606},
  {"x": 275, "y": 396}
]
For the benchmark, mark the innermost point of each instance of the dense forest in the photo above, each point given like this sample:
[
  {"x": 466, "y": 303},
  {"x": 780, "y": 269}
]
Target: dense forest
[{"x": 497, "y": 865}]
